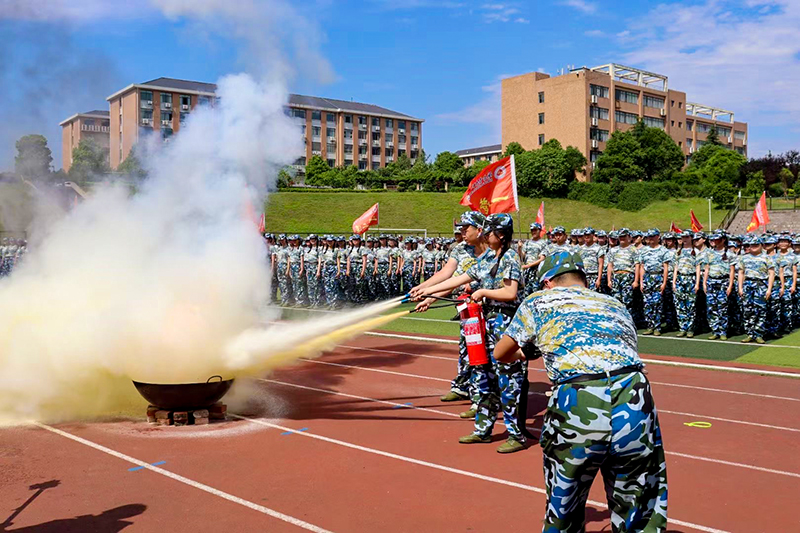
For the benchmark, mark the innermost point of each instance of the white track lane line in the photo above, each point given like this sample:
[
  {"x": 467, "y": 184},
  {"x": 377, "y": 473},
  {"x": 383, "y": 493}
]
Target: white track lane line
[
  {"x": 535, "y": 430},
  {"x": 186, "y": 481},
  {"x": 678, "y": 413},
  {"x": 733, "y": 369},
  {"x": 709, "y": 389},
  {"x": 435, "y": 466}
]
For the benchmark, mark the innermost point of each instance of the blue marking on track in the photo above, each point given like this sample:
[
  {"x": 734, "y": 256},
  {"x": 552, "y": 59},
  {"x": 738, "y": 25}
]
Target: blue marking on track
[
  {"x": 135, "y": 468},
  {"x": 290, "y": 432},
  {"x": 409, "y": 404}
]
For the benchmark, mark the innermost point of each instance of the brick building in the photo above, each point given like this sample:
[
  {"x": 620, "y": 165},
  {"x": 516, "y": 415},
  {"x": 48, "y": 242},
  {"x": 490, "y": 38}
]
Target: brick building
[
  {"x": 341, "y": 132},
  {"x": 583, "y": 107},
  {"x": 93, "y": 125},
  {"x": 489, "y": 153}
]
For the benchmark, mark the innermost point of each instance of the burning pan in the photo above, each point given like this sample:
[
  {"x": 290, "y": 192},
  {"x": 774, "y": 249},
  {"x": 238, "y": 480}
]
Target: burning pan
[{"x": 173, "y": 397}]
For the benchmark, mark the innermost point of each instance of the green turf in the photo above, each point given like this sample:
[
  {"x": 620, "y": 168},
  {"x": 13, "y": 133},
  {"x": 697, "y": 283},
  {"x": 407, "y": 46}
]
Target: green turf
[
  {"x": 788, "y": 356},
  {"x": 322, "y": 212}
]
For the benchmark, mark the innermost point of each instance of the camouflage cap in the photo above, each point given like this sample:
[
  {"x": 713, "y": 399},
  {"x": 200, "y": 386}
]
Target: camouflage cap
[
  {"x": 560, "y": 263},
  {"x": 698, "y": 235},
  {"x": 589, "y": 231},
  {"x": 624, "y": 232},
  {"x": 499, "y": 221},
  {"x": 601, "y": 233},
  {"x": 686, "y": 233},
  {"x": 558, "y": 229},
  {"x": 613, "y": 235},
  {"x": 536, "y": 225},
  {"x": 652, "y": 232},
  {"x": 472, "y": 218},
  {"x": 770, "y": 239},
  {"x": 282, "y": 237}
]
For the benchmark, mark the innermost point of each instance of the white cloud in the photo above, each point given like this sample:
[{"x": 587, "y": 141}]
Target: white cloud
[
  {"x": 522, "y": 20},
  {"x": 485, "y": 112},
  {"x": 583, "y": 6},
  {"x": 724, "y": 56},
  {"x": 72, "y": 11},
  {"x": 594, "y": 33}
]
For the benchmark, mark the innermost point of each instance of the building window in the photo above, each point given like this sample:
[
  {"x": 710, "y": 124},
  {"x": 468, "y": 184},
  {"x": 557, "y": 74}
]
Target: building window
[
  {"x": 376, "y": 136},
  {"x": 331, "y": 117},
  {"x": 680, "y": 144},
  {"x": 723, "y": 131},
  {"x": 146, "y": 98},
  {"x": 362, "y": 120},
  {"x": 348, "y": 134},
  {"x": 598, "y": 91},
  {"x": 600, "y": 113},
  {"x": 388, "y": 152},
  {"x": 331, "y": 148},
  {"x": 362, "y": 165},
  {"x": 166, "y": 119},
  {"x": 702, "y": 127},
  {"x": 627, "y": 96},
  {"x": 626, "y": 118},
  {"x": 401, "y": 124},
  {"x": 414, "y": 141},
  {"x": 389, "y": 123},
  {"x": 739, "y": 135},
  {"x": 298, "y": 113},
  {"x": 740, "y": 150},
  {"x": 414, "y": 126},
  {"x": 376, "y": 150},
  {"x": 653, "y": 101},
  {"x": 680, "y": 124},
  {"x": 689, "y": 125},
  {"x": 316, "y": 147},
  {"x": 331, "y": 163},
  {"x": 680, "y": 105},
  {"x": 348, "y": 148},
  {"x": 348, "y": 119},
  {"x": 672, "y": 123},
  {"x": 389, "y": 136},
  {"x": 331, "y": 132},
  {"x": 652, "y": 122},
  {"x": 401, "y": 139},
  {"x": 541, "y": 97},
  {"x": 166, "y": 101},
  {"x": 186, "y": 102},
  {"x": 362, "y": 135},
  {"x": 316, "y": 115},
  {"x": 598, "y": 135},
  {"x": 672, "y": 103},
  {"x": 316, "y": 131},
  {"x": 541, "y": 139},
  {"x": 147, "y": 116},
  {"x": 401, "y": 152},
  {"x": 593, "y": 155},
  {"x": 376, "y": 165},
  {"x": 541, "y": 118},
  {"x": 376, "y": 121}
]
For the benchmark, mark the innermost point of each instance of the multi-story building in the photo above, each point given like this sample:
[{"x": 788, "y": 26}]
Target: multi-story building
[
  {"x": 584, "y": 106},
  {"x": 92, "y": 125},
  {"x": 341, "y": 132},
  {"x": 489, "y": 153}
]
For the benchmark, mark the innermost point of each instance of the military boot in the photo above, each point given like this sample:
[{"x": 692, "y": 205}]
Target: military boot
[
  {"x": 510, "y": 446},
  {"x": 475, "y": 439}
]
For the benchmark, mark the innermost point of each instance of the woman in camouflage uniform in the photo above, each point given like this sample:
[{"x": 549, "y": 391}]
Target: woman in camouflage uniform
[
  {"x": 357, "y": 271},
  {"x": 408, "y": 265},
  {"x": 593, "y": 256},
  {"x": 295, "y": 271},
  {"x": 530, "y": 252},
  {"x": 686, "y": 284},
  {"x": 282, "y": 262},
  {"x": 622, "y": 269},
  {"x": 718, "y": 274},
  {"x": 331, "y": 265},
  {"x": 653, "y": 266},
  {"x": 428, "y": 259},
  {"x": 313, "y": 269},
  {"x": 786, "y": 264},
  {"x": 381, "y": 266},
  {"x": 756, "y": 278}
]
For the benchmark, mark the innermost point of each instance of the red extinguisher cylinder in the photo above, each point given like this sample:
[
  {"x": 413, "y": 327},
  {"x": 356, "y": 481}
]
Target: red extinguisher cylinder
[{"x": 474, "y": 328}]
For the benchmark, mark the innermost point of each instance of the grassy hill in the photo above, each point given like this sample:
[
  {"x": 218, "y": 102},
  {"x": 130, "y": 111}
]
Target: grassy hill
[{"x": 326, "y": 212}]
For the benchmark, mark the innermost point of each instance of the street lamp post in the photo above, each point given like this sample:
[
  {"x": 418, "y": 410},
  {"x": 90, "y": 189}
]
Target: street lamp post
[{"x": 709, "y": 212}]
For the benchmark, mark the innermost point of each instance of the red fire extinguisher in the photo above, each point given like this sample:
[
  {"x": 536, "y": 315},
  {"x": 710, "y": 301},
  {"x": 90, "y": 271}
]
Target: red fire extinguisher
[{"x": 471, "y": 315}]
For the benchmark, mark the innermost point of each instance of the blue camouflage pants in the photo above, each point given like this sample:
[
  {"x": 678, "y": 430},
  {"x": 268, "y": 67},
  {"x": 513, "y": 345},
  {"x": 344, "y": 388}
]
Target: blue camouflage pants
[
  {"x": 330, "y": 286},
  {"x": 735, "y": 313},
  {"x": 429, "y": 270},
  {"x": 717, "y": 305},
  {"x": 754, "y": 307},
  {"x": 298, "y": 284},
  {"x": 503, "y": 380},
  {"x": 383, "y": 283},
  {"x": 591, "y": 279},
  {"x": 285, "y": 285},
  {"x": 408, "y": 277},
  {"x": 796, "y": 313},
  {"x": 313, "y": 284},
  {"x": 787, "y": 310},
  {"x": 394, "y": 281},
  {"x": 773, "y": 323},
  {"x": 461, "y": 384},
  {"x": 651, "y": 294},
  {"x": 685, "y": 299},
  {"x": 273, "y": 287},
  {"x": 611, "y": 426},
  {"x": 623, "y": 288}
]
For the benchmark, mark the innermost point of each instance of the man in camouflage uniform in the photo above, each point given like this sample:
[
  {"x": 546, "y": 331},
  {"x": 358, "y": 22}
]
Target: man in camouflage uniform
[
  {"x": 786, "y": 265},
  {"x": 357, "y": 271},
  {"x": 796, "y": 312},
  {"x": 331, "y": 271},
  {"x": 756, "y": 278},
  {"x": 380, "y": 269},
  {"x": 313, "y": 271},
  {"x": 530, "y": 252},
  {"x": 282, "y": 262},
  {"x": 296, "y": 273},
  {"x": 622, "y": 269},
  {"x": 557, "y": 244},
  {"x": 718, "y": 272},
  {"x": 409, "y": 264},
  {"x": 394, "y": 274},
  {"x": 773, "y": 322},
  {"x": 653, "y": 266},
  {"x": 601, "y": 415},
  {"x": 428, "y": 259},
  {"x": 593, "y": 256}
]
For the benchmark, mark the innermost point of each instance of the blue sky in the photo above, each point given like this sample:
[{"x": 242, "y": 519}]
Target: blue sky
[{"x": 438, "y": 60}]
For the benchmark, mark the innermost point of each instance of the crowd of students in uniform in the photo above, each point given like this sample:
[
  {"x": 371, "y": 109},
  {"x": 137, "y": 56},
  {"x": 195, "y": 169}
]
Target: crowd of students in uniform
[{"x": 11, "y": 253}]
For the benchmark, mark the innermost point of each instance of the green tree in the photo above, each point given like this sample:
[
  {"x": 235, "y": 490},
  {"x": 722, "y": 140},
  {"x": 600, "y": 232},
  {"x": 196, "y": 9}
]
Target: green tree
[
  {"x": 284, "y": 178},
  {"x": 88, "y": 159},
  {"x": 787, "y": 178},
  {"x": 448, "y": 163},
  {"x": 713, "y": 137},
  {"x": 132, "y": 166},
  {"x": 756, "y": 184},
  {"x": 547, "y": 171},
  {"x": 620, "y": 160},
  {"x": 659, "y": 156},
  {"x": 723, "y": 193},
  {"x": 33, "y": 158},
  {"x": 513, "y": 148},
  {"x": 703, "y": 154},
  {"x": 723, "y": 165},
  {"x": 315, "y": 168}
]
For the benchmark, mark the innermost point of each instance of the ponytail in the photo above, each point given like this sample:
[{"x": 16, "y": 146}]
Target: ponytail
[{"x": 504, "y": 248}]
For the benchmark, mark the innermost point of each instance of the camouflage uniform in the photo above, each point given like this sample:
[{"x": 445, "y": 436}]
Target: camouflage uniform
[
  {"x": 719, "y": 268},
  {"x": 510, "y": 377},
  {"x": 685, "y": 296},
  {"x": 754, "y": 305},
  {"x": 273, "y": 288},
  {"x": 623, "y": 261},
  {"x": 785, "y": 262},
  {"x": 591, "y": 261},
  {"x": 463, "y": 384},
  {"x": 358, "y": 284},
  {"x": 668, "y": 299},
  {"x": 298, "y": 283},
  {"x": 313, "y": 283},
  {"x": 428, "y": 262},
  {"x": 383, "y": 286},
  {"x": 409, "y": 261},
  {"x": 608, "y": 424},
  {"x": 330, "y": 274},
  {"x": 394, "y": 276},
  {"x": 652, "y": 261},
  {"x": 531, "y": 250},
  {"x": 282, "y": 255}
]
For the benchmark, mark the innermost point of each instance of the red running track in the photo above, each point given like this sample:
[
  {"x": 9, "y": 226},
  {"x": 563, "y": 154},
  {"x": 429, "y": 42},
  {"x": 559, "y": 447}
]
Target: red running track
[{"x": 378, "y": 450}]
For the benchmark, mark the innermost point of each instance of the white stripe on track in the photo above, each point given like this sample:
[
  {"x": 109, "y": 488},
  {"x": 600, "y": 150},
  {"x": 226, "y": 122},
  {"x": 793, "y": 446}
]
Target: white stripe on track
[
  {"x": 708, "y": 389},
  {"x": 702, "y": 366},
  {"x": 532, "y": 429},
  {"x": 435, "y": 466},
  {"x": 186, "y": 481},
  {"x": 418, "y": 376}
]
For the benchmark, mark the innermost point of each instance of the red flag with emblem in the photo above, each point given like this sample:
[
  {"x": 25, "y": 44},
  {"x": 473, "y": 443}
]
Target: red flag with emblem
[
  {"x": 369, "y": 218},
  {"x": 760, "y": 214},
  {"x": 540, "y": 215},
  {"x": 494, "y": 189},
  {"x": 696, "y": 225},
  {"x": 674, "y": 229}
]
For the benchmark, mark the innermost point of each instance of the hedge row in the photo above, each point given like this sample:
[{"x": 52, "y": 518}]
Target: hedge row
[{"x": 627, "y": 196}]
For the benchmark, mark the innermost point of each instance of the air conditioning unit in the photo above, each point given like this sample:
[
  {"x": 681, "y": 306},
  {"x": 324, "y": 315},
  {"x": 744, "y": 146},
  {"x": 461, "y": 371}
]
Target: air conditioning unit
[
  {"x": 362, "y": 126},
  {"x": 594, "y": 121},
  {"x": 389, "y": 143},
  {"x": 376, "y": 143},
  {"x": 691, "y": 149},
  {"x": 316, "y": 152},
  {"x": 594, "y": 98},
  {"x": 402, "y": 131},
  {"x": 362, "y": 142},
  {"x": 146, "y": 121},
  {"x": 414, "y": 146},
  {"x": 166, "y": 122},
  {"x": 376, "y": 128},
  {"x": 184, "y": 107},
  {"x": 167, "y": 105},
  {"x": 595, "y": 143},
  {"x": 663, "y": 112},
  {"x": 730, "y": 140},
  {"x": 594, "y": 164},
  {"x": 331, "y": 139}
]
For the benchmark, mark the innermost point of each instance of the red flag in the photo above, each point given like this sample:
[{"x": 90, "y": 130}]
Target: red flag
[
  {"x": 494, "y": 189},
  {"x": 540, "y": 215},
  {"x": 369, "y": 218},
  {"x": 760, "y": 214},
  {"x": 674, "y": 229},
  {"x": 696, "y": 225},
  {"x": 262, "y": 224}
]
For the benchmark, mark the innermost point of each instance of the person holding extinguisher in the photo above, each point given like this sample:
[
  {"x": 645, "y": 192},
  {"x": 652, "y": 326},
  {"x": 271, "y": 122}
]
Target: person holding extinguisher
[{"x": 498, "y": 272}]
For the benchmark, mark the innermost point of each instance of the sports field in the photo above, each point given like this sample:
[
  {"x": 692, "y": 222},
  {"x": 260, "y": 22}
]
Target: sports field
[{"x": 357, "y": 440}]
